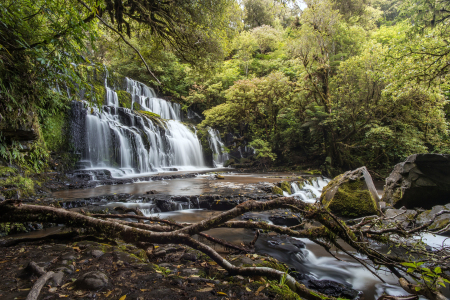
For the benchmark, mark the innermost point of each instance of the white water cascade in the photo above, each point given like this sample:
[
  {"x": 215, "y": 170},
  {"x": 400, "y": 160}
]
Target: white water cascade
[
  {"x": 128, "y": 143},
  {"x": 309, "y": 190},
  {"x": 217, "y": 147}
]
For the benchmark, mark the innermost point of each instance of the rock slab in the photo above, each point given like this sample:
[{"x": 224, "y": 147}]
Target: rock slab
[
  {"x": 421, "y": 181},
  {"x": 92, "y": 281},
  {"x": 351, "y": 194}
]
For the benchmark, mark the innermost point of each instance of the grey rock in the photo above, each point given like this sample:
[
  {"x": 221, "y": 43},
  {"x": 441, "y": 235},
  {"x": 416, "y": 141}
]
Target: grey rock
[
  {"x": 58, "y": 278},
  {"x": 92, "y": 281},
  {"x": 401, "y": 215},
  {"x": 421, "y": 181},
  {"x": 65, "y": 270},
  {"x": 189, "y": 256},
  {"x": 69, "y": 256},
  {"x": 189, "y": 272},
  {"x": 97, "y": 253}
]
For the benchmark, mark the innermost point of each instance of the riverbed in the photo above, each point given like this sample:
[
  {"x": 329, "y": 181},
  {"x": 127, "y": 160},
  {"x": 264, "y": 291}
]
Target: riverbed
[{"x": 312, "y": 259}]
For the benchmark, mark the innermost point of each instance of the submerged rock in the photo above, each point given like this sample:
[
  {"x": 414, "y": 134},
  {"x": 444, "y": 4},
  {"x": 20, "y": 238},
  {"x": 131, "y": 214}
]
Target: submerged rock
[
  {"x": 351, "y": 194},
  {"x": 422, "y": 180}
]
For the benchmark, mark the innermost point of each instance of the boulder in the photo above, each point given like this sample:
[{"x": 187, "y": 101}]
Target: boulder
[
  {"x": 422, "y": 180},
  {"x": 92, "y": 281},
  {"x": 286, "y": 186},
  {"x": 440, "y": 222},
  {"x": 351, "y": 194}
]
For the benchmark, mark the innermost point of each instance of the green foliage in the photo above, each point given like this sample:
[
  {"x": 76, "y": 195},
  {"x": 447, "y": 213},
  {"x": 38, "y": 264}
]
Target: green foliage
[
  {"x": 429, "y": 279},
  {"x": 162, "y": 270}
]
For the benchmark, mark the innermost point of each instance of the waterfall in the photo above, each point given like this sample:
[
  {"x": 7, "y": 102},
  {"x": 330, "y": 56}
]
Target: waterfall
[
  {"x": 310, "y": 190},
  {"x": 146, "y": 98},
  {"x": 128, "y": 143},
  {"x": 217, "y": 147}
]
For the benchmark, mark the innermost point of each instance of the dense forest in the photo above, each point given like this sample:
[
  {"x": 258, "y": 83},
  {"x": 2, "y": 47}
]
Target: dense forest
[{"x": 341, "y": 83}]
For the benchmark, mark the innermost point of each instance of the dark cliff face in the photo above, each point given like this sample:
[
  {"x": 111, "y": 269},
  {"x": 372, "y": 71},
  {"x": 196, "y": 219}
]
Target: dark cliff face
[
  {"x": 77, "y": 126},
  {"x": 422, "y": 180}
]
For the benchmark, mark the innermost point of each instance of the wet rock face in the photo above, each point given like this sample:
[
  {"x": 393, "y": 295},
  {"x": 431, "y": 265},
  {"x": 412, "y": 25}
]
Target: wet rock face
[
  {"x": 333, "y": 288},
  {"x": 92, "y": 281},
  {"x": 422, "y": 180},
  {"x": 351, "y": 194}
]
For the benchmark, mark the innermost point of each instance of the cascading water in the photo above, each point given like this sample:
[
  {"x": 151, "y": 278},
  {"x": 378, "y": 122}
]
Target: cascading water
[
  {"x": 128, "y": 142},
  {"x": 146, "y": 98},
  {"x": 217, "y": 146},
  {"x": 309, "y": 190}
]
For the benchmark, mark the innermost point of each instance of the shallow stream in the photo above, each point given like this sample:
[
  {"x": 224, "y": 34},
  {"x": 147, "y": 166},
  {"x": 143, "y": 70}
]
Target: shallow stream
[{"x": 312, "y": 259}]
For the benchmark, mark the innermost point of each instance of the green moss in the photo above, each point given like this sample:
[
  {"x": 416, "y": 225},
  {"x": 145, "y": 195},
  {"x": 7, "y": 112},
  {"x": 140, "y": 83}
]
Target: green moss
[
  {"x": 53, "y": 131},
  {"x": 7, "y": 171},
  {"x": 24, "y": 185},
  {"x": 277, "y": 190},
  {"x": 313, "y": 172},
  {"x": 140, "y": 254},
  {"x": 229, "y": 162},
  {"x": 125, "y": 99},
  {"x": 136, "y": 106},
  {"x": 149, "y": 114},
  {"x": 286, "y": 186},
  {"x": 351, "y": 199},
  {"x": 100, "y": 93}
]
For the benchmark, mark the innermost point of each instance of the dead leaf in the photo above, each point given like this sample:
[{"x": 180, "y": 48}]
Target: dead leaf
[
  {"x": 195, "y": 276},
  {"x": 145, "y": 290},
  {"x": 107, "y": 294},
  {"x": 123, "y": 297},
  {"x": 222, "y": 293},
  {"x": 64, "y": 285},
  {"x": 207, "y": 289},
  {"x": 3, "y": 261},
  {"x": 210, "y": 284},
  {"x": 259, "y": 290},
  {"x": 76, "y": 249},
  {"x": 63, "y": 296},
  {"x": 213, "y": 263},
  {"x": 247, "y": 289},
  {"x": 52, "y": 290}
]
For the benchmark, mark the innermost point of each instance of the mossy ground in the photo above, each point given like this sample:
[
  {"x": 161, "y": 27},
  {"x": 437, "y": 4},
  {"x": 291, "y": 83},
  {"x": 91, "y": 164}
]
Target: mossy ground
[{"x": 22, "y": 184}]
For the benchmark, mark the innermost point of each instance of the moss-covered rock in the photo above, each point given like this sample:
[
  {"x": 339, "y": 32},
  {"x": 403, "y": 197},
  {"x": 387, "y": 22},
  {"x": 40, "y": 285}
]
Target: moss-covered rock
[
  {"x": 149, "y": 114},
  {"x": 125, "y": 99},
  {"x": 229, "y": 162},
  {"x": 14, "y": 186},
  {"x": 286, "y": 186},
  {"x": 277, "y": 190},
  {"x": 99, "y": 92},
  {"x": 312, "y": 172},
  {"x": 351, "y": 194}
]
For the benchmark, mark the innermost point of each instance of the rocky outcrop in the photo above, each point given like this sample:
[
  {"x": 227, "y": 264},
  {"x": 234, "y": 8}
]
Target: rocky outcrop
[
  {"x": 351, "y": 194},
  {"x": 422, "y": 180}
]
